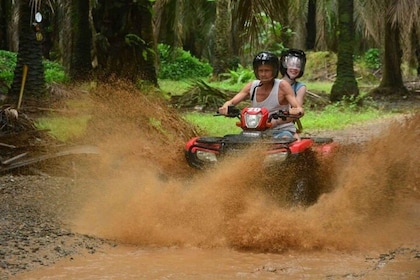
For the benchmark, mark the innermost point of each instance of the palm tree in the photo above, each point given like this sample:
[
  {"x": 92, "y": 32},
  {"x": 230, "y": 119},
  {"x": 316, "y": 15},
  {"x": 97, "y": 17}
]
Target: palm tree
[
  {"x": 248, "y": 24},
  {"x": 125, "y": 42},
  {"x": 5, "y": 7},
  {"x": 76, "y": 39},
  {"x": 29, "y": 54},
  {"x": 187, "y": 24},
  {"x": 345, "y": 83},
  {"x": 388, "y": 22},
  {"x": 223, "y": 47}
]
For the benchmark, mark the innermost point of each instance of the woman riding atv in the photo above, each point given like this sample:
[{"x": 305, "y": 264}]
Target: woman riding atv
[{"x": 292, "y": 67}]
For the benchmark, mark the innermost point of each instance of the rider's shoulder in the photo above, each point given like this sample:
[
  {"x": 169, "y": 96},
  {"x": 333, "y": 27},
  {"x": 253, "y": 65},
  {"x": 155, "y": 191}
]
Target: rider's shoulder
[
  {"x": 300, "y": 84},
  {"x": 283, "y": 83}
]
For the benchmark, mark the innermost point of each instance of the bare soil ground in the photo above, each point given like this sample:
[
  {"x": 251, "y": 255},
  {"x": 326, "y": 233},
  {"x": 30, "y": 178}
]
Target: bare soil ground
[{"x": 33, "y": 229}]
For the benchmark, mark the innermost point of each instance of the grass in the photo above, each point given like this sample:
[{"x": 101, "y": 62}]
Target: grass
[
  {"x": 213, "y": 125},
  {"x": 64, "y": 128},
  {"x": 174, "y": 87},
  {"x": 69, "y": 126},
  {"x": 324, "y": 87},
  {"x": 334, "y": 118}
]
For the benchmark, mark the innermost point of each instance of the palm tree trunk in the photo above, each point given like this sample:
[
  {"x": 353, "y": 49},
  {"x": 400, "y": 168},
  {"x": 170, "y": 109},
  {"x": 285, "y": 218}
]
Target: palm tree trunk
[
  {"x": 79, "y": 63},
  {"x": 30, "y": 54},
  {"x": 222, "y": 46},
  {"x": 5, "y": 12},
  {"x": 392, "y": 82},
  {"x": 345, "y": 84},
  {"x": 126, "y": 47},
  {"x": 416, "y": 47},
  {"x": 311, "y": 25}
]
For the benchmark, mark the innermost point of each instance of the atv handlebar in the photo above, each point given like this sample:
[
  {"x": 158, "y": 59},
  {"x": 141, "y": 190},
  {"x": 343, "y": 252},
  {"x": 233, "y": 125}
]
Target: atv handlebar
[
  {"x": 284, "y": 115},
  {"x": 234, "y": 112}
]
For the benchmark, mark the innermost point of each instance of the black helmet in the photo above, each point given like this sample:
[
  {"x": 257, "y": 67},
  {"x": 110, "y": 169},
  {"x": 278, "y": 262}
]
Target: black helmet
[
  {"x": 293, "y": 58},
  {"x": 263, "y": 58}
]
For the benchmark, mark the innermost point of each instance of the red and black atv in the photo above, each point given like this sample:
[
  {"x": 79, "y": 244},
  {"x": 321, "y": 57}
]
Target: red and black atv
[{"x": 301, "y": 158}]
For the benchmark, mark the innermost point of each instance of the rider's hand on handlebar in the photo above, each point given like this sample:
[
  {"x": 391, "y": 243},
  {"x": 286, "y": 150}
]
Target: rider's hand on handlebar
[
  {"x": 296, "y": 111},
  {"x": 224, "y": 109}
]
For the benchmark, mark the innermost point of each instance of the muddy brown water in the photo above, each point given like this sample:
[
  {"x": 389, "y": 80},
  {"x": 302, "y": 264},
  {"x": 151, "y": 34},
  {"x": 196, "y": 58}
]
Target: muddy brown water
[{"x": 219, "y": 225}]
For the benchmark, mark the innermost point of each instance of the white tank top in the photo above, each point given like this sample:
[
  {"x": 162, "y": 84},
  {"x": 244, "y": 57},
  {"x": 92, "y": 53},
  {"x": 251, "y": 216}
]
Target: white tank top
[
  {"x": 271, "y": 103},
  {"x": 272, "y": 100}
]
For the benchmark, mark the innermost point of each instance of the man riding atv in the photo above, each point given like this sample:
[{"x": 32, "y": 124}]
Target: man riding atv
[{"x": 269, "y": 92}]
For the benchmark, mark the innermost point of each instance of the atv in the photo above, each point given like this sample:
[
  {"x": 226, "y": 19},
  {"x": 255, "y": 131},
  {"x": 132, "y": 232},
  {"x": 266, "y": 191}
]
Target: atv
[{"x": 301, "y": 158}]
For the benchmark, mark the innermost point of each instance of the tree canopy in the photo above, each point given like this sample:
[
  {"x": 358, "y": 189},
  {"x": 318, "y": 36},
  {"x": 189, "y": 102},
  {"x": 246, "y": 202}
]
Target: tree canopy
[{"x": 99, "y": 39}]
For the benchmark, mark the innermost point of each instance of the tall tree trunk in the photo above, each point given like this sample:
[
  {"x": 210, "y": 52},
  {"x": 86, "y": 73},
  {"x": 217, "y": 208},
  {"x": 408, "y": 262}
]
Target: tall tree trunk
[
  {"x": 416, "y": 48},
  {"x": 148, "y": 59},
  {"x": 222, "y": 47},
  {"x": 392, "y": 82},
  {"x": 126, "y": 47},
  {"x": 311, "y": 25},
  {"x": 30, "y": 54},
  {"x": 78, "y": 62},
  {"x": 5, "y": 12},
  {"x": 345, "y": 83}
]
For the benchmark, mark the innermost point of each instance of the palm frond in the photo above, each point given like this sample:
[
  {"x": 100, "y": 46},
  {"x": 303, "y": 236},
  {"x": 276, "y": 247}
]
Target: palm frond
[{"x": 247, "y": 21}]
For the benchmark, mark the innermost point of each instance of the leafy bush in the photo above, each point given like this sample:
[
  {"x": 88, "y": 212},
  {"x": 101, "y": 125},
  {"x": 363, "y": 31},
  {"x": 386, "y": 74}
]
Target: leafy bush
[
  {"x": 372, "y": 59},
  {"x": 177, "y": 64},
  {"x": 239, "y": 76},
  {"x": 7, "y": 66},
  {"x": 53, "y": 71}
]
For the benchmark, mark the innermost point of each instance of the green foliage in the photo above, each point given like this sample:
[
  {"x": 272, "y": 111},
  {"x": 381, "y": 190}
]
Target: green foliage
[
  {"x": 53, "y": 71},
  {"x": 174, "y": 87},
  {"x": 7, "y": 65},
  {"x": 177, "y": 64},
  {"x": 239, "y": 76},
  {"x": 372, "y": 59},
  {"x": 320, "y": 66},
  {"x": 271, "y": 36},
  {"x": 227, "y": 86},
  {"x": 134, "y": 40}
]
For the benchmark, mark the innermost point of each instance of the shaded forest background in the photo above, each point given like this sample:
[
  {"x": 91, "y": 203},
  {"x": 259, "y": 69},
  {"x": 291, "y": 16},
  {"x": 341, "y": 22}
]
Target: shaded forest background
[{"x": 118, "y": 38}]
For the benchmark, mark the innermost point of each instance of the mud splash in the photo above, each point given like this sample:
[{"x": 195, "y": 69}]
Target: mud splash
[{"x": 148, "y": 196}]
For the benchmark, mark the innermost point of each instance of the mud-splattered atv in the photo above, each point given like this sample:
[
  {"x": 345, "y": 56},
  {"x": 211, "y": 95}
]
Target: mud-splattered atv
[{"x": 299, "y": 160}]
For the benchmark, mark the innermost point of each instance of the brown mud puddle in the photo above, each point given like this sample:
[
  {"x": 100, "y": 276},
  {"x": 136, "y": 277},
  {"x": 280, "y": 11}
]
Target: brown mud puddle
[{"x": 194, "y": 263}]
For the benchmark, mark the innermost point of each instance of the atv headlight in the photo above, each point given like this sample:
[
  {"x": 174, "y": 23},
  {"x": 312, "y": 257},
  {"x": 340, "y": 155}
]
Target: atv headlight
[
  {"x": 275, "y": 158},
  {"x": 252, "y": 121},
  {"x": 206, "y": 156}
]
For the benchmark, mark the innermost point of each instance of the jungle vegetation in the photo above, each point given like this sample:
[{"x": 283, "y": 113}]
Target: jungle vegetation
[{"x": 119, "y": 38}]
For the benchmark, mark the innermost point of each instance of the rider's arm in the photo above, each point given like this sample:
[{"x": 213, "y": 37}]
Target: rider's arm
[
  {"x": 286, "y": 90},
  {"x": 240, "y": 96},
  {"x": 300, "y": 95}
]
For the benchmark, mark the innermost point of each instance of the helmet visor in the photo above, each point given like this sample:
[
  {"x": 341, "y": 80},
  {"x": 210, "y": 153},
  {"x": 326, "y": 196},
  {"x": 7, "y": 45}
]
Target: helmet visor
[{"x": 292, "y": 62}]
